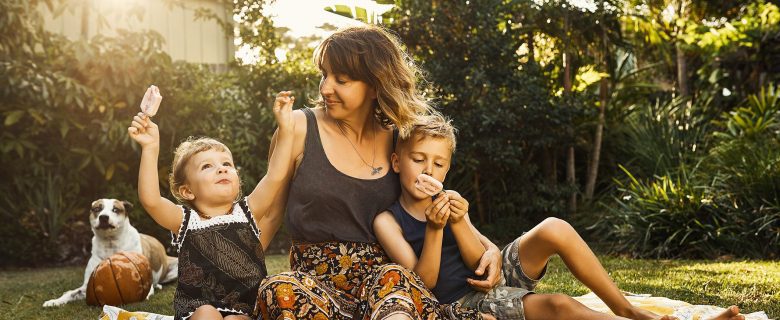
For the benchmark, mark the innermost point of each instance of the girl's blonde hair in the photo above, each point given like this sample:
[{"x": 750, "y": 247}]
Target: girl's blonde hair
[
  {"x": 184, "y": 152},
  {"x": 372, "y": 55}
]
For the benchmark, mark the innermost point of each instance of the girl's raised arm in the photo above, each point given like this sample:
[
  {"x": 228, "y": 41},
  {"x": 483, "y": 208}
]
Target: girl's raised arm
[
  {"x": 280, "y": 165},
  {"x": 162, "y": 210}
]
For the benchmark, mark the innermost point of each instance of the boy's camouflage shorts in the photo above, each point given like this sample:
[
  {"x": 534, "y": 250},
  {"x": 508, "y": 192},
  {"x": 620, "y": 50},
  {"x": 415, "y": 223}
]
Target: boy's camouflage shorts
[{"x": 505, "y": 301}]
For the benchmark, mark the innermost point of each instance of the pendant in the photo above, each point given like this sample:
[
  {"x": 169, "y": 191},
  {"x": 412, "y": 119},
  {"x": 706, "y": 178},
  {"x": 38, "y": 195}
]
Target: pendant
[{"x": 376, "y": 170}]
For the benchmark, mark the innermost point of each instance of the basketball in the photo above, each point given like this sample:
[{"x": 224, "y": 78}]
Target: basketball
[{"x": 123, "y": 278}]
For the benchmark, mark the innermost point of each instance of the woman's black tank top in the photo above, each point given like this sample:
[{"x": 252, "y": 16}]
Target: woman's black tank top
[{"x": 324, "y": 204}]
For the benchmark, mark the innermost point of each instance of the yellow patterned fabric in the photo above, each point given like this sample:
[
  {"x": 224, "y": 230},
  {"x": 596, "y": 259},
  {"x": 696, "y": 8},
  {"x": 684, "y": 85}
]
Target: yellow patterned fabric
[
  {"x": 114, "y": 313},
  {"x": 661, "y": 305},
  {"x": 348, "y": 280}
]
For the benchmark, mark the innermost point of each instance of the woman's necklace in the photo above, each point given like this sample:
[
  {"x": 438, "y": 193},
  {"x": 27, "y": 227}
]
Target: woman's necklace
[{"x": 374, "y": 170}]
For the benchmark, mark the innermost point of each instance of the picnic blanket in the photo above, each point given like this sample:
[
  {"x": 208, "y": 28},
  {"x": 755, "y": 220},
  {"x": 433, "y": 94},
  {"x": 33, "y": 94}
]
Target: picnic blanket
[
  {"x": 659, "y": 305},
  {"x": 116, "y": 313}
]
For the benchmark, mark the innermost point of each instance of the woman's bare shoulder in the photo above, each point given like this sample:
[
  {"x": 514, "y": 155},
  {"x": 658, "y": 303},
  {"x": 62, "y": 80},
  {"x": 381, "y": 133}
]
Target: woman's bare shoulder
[{"x": 299, "y": 119}]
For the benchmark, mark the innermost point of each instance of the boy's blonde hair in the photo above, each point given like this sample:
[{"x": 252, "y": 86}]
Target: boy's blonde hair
[
  {"x": 432, "y": 125},
  {"x": 184, "y": 152},
  {"x": 372, "y": 55}
]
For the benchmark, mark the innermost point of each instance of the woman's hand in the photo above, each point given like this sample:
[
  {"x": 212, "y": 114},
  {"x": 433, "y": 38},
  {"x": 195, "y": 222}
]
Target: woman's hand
[
  {"x": 283, "y": 110},
  {"x": 438, "y": 212},
  {"x": 144, "y": 131},
  {"x": 490, "y": 266}
]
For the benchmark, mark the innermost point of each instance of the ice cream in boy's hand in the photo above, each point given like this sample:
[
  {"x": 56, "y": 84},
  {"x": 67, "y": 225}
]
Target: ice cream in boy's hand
[
  {"x": 428, "y": 184},
  {"x": 151, "y": 101}
]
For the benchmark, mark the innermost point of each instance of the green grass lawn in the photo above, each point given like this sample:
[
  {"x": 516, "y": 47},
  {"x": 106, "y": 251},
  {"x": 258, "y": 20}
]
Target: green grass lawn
[{"x": 752, "y": 285}]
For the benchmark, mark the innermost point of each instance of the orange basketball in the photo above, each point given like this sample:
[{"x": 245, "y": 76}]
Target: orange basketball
[{"x": 123, "y": 278}]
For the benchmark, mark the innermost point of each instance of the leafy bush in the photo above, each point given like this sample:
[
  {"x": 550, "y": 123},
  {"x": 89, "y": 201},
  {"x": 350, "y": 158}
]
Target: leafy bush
[
  {"x": 662, "y": 136},
  {"x": 746, "y": 158},
  {"x": 66, "y": 106},
  {"x": 667, "y": 217},
  {"x": 724, "y": 203}
]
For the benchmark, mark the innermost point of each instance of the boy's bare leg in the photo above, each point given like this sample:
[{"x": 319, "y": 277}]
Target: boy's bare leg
[
  {"x": 555, "y": 236},
  {"x": 560, "y": 306}
]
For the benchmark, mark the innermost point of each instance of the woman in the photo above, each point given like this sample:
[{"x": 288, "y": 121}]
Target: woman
[{"x": 341, "y": 180}]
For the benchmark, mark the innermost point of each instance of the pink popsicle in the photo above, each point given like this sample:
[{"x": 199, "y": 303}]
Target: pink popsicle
[
  {"x": 151, "y": 101},
  {"x": 428, "y": 184}
]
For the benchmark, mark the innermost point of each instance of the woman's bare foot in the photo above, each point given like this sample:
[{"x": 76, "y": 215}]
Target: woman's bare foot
[{"x": 731, "y": 313}]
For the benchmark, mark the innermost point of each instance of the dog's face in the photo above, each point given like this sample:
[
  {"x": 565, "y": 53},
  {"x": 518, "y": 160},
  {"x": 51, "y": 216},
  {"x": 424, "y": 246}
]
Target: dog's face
[{"x": 106, "y": 215}]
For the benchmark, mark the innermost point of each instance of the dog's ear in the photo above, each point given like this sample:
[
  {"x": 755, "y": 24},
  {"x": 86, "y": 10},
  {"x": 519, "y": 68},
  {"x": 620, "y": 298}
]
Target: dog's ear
[{"x": 128, "y": 205}]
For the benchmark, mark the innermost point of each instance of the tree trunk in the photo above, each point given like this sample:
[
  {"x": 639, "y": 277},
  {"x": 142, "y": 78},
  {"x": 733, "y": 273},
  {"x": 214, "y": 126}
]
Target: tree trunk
[
  {"x": 531, "y": 47},
  {"x": 567, "y": 84},
  {"x": 570, "y": 179},
  {"x": 547, "y": 165},
  {"x": 85, "y": 21},
  {"x": 682, "y": 71},
  {"x": 555, "y": 165},
  {"x": 593, "y": 168},
  {"x": 478, "y": 200},
  {"x": 567, "y": 74}
]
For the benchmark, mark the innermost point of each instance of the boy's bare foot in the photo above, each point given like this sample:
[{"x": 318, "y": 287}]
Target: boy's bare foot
[
  {"x": 731, "y": 313},
  {"x": 637, "y": 313}
]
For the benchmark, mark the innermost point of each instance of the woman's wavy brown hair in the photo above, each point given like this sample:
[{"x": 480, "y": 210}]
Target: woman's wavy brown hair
[{"x": 372, "y": 55}]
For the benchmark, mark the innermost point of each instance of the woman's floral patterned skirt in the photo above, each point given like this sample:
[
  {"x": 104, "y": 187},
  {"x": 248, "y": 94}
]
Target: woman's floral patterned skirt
[{"x": 348, "y": 280}]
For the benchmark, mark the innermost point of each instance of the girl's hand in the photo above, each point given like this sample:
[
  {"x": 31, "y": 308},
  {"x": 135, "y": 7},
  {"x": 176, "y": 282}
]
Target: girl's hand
[
  {"x": 283, "y": 110},
  {"x": 144, "y": 131},
  {"x": 459, "y": 207},
  {"x": 438, "y": 212}
]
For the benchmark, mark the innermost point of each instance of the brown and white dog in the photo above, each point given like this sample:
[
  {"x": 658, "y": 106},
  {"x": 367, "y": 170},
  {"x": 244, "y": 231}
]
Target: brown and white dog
[{"x": 113, "y": 233}]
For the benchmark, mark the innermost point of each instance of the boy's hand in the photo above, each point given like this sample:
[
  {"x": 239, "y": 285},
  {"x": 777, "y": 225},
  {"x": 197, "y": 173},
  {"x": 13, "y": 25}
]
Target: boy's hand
[
  {"x": 459, "y": 207},
  {"x": 283, "y": 109},
  {"x": 438, "y": 212},
  {"x": 144, "y": 131}
]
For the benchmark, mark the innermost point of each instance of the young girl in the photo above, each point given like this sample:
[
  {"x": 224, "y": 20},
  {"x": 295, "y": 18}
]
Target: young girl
[{"x": 221, "y": 261}]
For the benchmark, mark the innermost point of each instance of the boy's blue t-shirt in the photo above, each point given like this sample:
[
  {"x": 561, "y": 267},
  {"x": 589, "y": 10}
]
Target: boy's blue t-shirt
[{"x": 452, "y": 284}]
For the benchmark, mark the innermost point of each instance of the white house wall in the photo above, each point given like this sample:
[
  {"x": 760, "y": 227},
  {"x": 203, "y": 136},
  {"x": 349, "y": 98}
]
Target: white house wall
[{"x": 201, "y": 41}]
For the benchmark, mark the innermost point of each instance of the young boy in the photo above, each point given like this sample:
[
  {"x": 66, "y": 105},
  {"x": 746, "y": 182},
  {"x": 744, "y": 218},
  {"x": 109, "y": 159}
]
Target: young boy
[{"x": 434, "y": 237}]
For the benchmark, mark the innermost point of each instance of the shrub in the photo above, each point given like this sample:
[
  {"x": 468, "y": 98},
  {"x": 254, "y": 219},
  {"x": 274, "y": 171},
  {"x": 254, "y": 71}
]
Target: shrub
[
  {"x": 724, "y": 203},
  {"x": 667, "y": 217}
]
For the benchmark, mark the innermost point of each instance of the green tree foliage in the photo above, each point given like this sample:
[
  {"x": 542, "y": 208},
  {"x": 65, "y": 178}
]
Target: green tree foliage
[
  {"x": 512, "y": 125},
  {"x": 700, "y": 174},
  {"x": 66, "y": 106}
]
